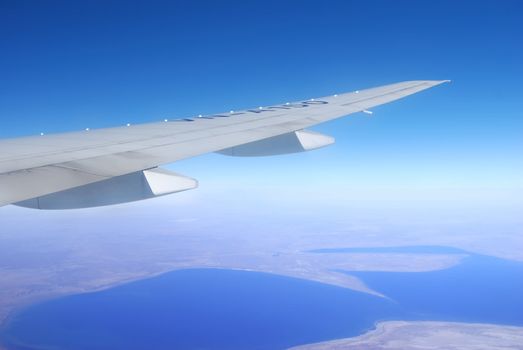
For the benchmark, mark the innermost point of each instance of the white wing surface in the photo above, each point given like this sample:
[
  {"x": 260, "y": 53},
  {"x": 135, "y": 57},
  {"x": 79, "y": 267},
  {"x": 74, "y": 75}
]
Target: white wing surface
[{"x": 114, "y": 165}]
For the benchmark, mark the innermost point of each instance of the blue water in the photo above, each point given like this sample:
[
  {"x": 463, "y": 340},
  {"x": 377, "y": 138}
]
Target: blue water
[
  {"x": 480, "y": 289},
  {"x": 224, "y": 309},
  {"x": 199, "y": 309}
]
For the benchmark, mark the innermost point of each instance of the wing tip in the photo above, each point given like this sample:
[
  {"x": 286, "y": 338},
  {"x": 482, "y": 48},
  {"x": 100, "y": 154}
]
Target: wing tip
[
  {"x": 431, "y": 83},
  {"x": 438, "y": 82}
]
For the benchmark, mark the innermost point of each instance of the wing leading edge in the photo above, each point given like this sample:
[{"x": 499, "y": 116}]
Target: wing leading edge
[{"x": 35, "y": 167}]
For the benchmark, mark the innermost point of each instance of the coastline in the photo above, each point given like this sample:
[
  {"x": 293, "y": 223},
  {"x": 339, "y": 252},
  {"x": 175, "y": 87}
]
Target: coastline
[
  {"x": 380, "y": 335},
  {"x": 11, "y": 311},
  {"x": 418, "y": 335},
  {"x": 320, "y": 268}
]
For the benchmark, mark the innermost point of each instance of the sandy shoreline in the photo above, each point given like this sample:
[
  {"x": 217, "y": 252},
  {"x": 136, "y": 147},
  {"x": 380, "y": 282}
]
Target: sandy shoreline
[{"x": 426, "y": 335}]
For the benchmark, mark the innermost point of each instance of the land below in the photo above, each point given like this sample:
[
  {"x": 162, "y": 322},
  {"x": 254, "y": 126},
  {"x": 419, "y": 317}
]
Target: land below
[
  {"x": 62, "y": 253},
  {"x": 401, "y": 335}
]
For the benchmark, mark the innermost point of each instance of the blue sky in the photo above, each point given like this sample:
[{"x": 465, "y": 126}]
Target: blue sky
[{"x": 71, "y": 65}]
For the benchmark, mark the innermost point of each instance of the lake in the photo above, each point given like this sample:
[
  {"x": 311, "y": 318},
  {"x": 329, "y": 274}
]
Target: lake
[{"x": 231, "y": 309}]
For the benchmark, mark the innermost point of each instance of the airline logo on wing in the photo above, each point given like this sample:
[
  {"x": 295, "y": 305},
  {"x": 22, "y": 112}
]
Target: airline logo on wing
[{"x": 286, "y": 106}]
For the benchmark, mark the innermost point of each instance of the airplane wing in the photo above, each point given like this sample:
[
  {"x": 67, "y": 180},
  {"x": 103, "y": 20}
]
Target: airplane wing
[{"x": 116, "y": 165}]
